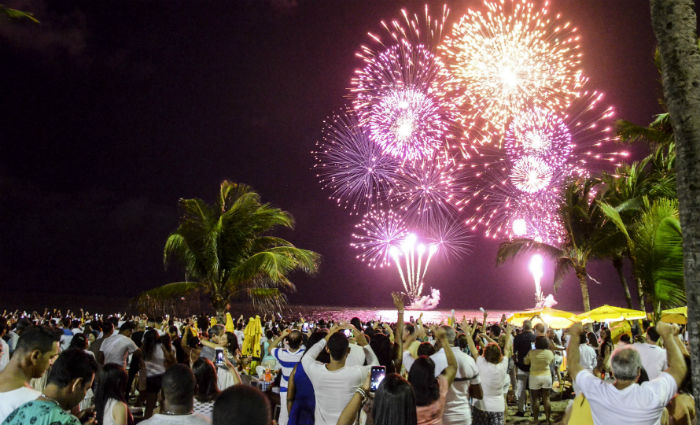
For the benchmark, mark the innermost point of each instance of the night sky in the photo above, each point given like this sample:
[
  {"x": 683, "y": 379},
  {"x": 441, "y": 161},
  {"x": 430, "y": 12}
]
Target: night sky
[{"x": 112, "y": 110}]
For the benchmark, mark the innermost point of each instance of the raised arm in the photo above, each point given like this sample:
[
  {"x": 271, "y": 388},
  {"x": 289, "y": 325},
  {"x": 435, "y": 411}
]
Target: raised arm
[
  {"x": 398, "y": 303},
  {"x": 370, "y": 358},
  {"x": 451, "y": 371},
  {"x": 676, "y": 363},
  {"x": 275, "y": 342},
  {"x": 309, "y": 358},
  {"x": 508, "y": 347},
  {"x": 470, "y": 341},
  {"x": 573, "y": 355}
]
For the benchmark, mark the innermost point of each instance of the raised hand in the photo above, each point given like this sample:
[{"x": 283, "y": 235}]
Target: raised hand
[{"x": 397, "y": 297}]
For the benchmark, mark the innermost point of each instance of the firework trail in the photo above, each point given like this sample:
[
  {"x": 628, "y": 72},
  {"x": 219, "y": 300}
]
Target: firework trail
[
  {"x": 350, "y": 166},
  {"x": 397, "y": 94},
  {"x": 452, "y": 238},
  {"x": 512, "y": 57}
]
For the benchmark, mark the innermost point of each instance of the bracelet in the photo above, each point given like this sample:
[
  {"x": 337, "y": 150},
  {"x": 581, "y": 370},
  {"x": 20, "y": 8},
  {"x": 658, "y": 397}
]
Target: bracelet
[{"x": 361, "y": 392}]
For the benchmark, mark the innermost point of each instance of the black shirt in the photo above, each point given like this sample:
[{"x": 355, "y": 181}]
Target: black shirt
[{"x": 522, "y": 344}]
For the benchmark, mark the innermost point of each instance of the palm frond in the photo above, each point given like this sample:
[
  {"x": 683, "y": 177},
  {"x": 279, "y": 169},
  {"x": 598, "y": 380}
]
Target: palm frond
[
  {"x": 513, "y": 248},
  {"x": 171, "y": 290},
  {"x": 562, "y": 267}
]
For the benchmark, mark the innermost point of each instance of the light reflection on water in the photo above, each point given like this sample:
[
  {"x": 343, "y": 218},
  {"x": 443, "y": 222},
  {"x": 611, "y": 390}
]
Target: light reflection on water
[{"x": 388, "y": 315}]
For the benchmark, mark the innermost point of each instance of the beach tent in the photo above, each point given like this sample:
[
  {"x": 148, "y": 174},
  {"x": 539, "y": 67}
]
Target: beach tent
[
  {"x": 556, "y": 319},
  {"x": 675, "y": 315},
  {"x": 608, "y": 313}
]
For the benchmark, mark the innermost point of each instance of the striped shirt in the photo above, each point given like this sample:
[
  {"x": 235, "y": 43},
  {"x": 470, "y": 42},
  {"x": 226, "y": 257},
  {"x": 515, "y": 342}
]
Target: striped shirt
[{"x": 287, "y": 360}]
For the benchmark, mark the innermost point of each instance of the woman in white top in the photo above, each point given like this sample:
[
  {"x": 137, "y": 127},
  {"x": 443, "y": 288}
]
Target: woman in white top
[
  {"x": 157, "y": 358},
  {"x": 110, "y": 396},
  {"x": 493, "y": 372}
]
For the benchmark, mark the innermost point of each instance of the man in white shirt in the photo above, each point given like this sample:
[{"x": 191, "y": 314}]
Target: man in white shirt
[
  {"x": 457, "y": 408},
  {"x": 116, "y": 348},
  {"x": 589, "y": 358},
  {"x": 624, "y": 401},
  {"x": 36, "y": 348},
  {"x": 653, "y": 356},
  {"x": 334, "y": 383},
  {"x": 287, "y": 358}
]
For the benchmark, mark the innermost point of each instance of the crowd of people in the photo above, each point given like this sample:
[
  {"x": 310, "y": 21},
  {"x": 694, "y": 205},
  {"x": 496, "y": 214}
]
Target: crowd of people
[{"x": 79, "y": 368}]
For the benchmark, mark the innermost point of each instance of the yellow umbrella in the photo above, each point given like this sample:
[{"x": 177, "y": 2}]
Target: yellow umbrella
[
  {"x": 608, "y": 313},
  {"x": 557, "y": 319},
  {"x": 229, "y": 323},
  {"x": 675, "y": 315},
  {"x": 251, "y": 341}
]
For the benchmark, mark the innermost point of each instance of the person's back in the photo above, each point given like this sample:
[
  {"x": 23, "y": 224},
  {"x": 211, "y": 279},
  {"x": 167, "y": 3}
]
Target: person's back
[
  {"x": 178, "y": 388},
  {"x": 241, "y": 405},
  {"x": 334, "y": 383},
  {"x": 68, "y": 381},
  {"x": 36, "y": 348},
  {"x": 457, "y": 408},
  {"x": 653, "y": 357},
  {"x": 117, "y": 347}
]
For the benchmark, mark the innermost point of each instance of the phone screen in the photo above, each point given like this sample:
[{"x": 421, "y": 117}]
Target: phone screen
[
  {"x": 532, "y": 345},
  {"x": 377, "y": 375},
  {"x": 219, "y": 357},
  {"x": 347, "y": 332},
  {"x": 305, "y": 327}
]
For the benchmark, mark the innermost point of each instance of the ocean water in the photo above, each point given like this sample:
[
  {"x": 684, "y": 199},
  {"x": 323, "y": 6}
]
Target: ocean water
[{"x": 382, "y": 314}]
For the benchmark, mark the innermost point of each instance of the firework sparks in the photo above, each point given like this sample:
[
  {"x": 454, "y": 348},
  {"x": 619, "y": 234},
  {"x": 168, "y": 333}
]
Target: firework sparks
[
  {"x": 511, "y": 58},
  {"x": 428, "y": 191},
  {"x": 518, "y": 192},
  {"x": 351, "y": 166},
  {"x": 452, "y": 238},
  {"x": 396, "y": 93},
  {"x": 377, "y": 233}
]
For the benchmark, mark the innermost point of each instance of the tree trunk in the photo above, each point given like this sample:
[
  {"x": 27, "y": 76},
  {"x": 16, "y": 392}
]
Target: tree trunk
[
  {"x": 675, "y": 27},
  {"x": 583, "y": 282},
  {"x": 617, "y": 263},
  {"x": 642, "y": 295}
]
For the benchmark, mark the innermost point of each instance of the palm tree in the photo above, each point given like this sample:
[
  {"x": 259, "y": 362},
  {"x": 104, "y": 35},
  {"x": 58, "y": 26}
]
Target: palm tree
[
  {"x": 655, "y": 244},
  {"x": 584, "y": 238},
  {"x": 675, "y": 26},
  {"x": 226, "y": 250},
  {"x": 627, "y": 189}
]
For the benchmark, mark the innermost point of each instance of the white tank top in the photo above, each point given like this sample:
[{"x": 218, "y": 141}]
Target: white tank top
[{"x": 107, "y": 418}]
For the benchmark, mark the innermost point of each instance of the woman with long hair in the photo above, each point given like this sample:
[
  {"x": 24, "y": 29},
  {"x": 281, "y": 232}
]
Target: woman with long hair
[
  {"x": 207, "y": 389},
  {"x": 431, "y": 392},
  {"x": 394, "y": 403},
  {"x": 156, "y": 359},
  {"x": 110, "y": 396}
]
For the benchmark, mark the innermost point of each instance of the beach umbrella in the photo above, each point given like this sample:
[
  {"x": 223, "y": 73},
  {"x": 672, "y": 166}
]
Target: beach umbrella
[
  {"x": 251, "y": 341},
  {"x": 556, "y": 319},
  {"x": 675, "y": 315},
  {"x": 608, "y": 313},
  {"x": 229, "y": 323}
]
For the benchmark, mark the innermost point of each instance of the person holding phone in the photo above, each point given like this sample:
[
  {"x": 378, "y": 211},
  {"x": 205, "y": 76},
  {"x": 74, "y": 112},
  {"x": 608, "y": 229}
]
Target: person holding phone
[{"x": 394, "y": 402}]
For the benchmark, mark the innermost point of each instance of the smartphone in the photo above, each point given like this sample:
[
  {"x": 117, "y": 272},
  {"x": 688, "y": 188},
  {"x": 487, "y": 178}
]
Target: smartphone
[
  {"x": 347, "y": 332},
  {"x": 376, "y": 376},
  {"x": 219, "y": 357},
  {"x": 532, "y": 345},
  {"x": 305, "y": 327}
]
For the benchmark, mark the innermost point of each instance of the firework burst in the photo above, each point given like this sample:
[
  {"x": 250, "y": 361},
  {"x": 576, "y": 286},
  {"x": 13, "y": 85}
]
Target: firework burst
[
  {"x": 427, "y": 192},
  {"x": 397, "y": 95},
  {"x": 510, "y": 58},
  {"x": 452, "y": 238},
  {"x": 378, "y": 231},
  {"x": 352, "y": 167},
  {"x": 517, "y": 193}
]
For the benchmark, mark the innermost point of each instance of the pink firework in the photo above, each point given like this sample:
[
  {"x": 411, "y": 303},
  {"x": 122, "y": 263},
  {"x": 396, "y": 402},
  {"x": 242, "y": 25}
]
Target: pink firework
[
  {"x": 517, "y": 193},
  {"x": 452, "y": 238},
  {"x": 378, "y": 231},
  {"x": 350, "y": 166},
  {"x": 396, "y": 93},
  {"x": 427, "y": 192}
]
